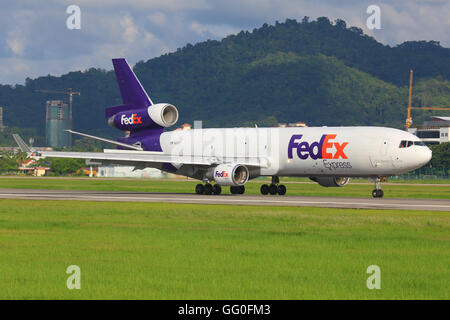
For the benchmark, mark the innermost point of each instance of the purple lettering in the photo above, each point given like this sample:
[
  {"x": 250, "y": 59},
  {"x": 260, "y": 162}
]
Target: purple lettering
[
  {"x": 303, "y": 147},
  {"x": 319, "y": 145},
  {"x": 293, "y": 144}
]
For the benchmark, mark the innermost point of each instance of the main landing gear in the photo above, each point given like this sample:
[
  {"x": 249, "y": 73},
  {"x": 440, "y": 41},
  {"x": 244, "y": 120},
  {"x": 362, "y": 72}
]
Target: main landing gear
[
  {"x": 237, "y": 189},
  {"x": 274, "y": 187},
  {"x": 208, "y": 189},
  {"x": 377, "y": 192}
]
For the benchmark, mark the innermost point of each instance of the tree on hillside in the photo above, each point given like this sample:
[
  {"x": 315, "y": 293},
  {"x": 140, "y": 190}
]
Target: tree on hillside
[
  {"x": 321, "y": 72},
  {"x": 441, "y": 155}
]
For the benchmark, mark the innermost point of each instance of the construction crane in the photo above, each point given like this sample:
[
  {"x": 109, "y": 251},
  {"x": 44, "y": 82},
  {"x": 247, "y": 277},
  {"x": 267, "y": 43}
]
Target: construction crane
[
  {"x": 71, "y": 94},
  {"x": 409, "y": 118}
]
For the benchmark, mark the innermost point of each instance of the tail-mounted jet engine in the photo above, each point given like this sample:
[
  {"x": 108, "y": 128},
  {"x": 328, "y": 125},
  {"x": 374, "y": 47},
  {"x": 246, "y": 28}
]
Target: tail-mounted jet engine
[
  {"x": 229, "y": 174},
  {"x": 161, "y": 114},
  {"x": 331, "y": 181}
]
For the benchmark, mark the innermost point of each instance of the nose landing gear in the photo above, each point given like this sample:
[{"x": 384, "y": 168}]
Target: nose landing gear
[
  {"x": 377, "y": 192},
  {"x": 274, "y": 187}
]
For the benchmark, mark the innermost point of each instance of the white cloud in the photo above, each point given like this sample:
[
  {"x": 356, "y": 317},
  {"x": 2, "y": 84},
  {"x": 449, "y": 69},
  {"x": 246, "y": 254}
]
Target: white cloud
[
  {"x": 130, "y": 30},
  {"x": 20, "y": 66},
  {"x": 17, "y": 46},
  {"x": 171, "y": 5},
  {"x": 34, "y": 39},
  {"x": 217, "y": 31},
  {"x": 416, "y": 21},
  {"x": 158, "y": 18}
]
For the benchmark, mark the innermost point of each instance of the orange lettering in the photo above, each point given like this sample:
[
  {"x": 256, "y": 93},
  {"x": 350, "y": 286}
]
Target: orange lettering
[
  {"x": 340, "y": 150},
  {"x": 327, "y": 145}
]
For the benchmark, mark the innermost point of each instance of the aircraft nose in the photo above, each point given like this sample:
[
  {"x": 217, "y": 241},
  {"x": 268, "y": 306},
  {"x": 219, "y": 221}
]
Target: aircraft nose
[
  {"x": 429, "y": 155},
  {"x": 425, "y": 156}
]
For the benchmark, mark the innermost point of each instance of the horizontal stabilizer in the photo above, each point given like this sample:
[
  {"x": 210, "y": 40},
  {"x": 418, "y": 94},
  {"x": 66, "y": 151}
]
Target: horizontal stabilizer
[
  {"x": 22, "y": 145},
  {"x": 120, "y": 144}
]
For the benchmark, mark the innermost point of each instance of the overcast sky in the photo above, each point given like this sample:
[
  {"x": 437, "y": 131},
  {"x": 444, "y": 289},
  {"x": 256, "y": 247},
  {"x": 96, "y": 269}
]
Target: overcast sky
[{"x": 35, "y": 41}]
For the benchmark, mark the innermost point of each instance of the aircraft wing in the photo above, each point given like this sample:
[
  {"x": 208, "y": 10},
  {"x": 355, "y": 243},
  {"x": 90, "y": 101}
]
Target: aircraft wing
[{"x": 148, "y": 158}]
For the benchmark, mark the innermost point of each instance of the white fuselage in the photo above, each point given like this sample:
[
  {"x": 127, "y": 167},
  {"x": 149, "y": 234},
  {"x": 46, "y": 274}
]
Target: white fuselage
[{"x": 304, "y": 151}]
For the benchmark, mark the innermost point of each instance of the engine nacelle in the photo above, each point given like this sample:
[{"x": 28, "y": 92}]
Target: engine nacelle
[
  {"x": 161, "y": 114},
  {"x": 331, "y": 181},
  {"x": 229, "y": 174},
  {"x": 164, "y": 114}
]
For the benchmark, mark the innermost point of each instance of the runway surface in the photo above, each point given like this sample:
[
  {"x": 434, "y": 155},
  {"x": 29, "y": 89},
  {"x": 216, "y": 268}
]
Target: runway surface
[{"x": 228, "y": 199}]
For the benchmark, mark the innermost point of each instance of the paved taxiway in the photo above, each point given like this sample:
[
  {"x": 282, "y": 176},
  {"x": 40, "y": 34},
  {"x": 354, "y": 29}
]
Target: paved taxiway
[{"x": 297, "y": 201}]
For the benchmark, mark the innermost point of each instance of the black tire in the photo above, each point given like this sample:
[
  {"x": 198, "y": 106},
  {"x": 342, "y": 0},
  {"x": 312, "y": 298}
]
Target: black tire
[
  {"x": 241, "y": 189},
  {"x": 380, "y": 193},
  {"x": 233, "y": 190},
  {"x": 273, "y": 189},
  {"x": 199, "y": 189},
  {"x": 264, "y": 189},
  {"x": 281, "y": 189},
  {"x": 217, "y": 189},
  {"x": 208, "y": 189},
  {"x": 375, "y": 193}
]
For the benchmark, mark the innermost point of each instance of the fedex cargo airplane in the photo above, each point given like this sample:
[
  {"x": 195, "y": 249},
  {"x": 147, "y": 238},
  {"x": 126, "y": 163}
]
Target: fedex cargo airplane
[{"x": 230, "y": 157}]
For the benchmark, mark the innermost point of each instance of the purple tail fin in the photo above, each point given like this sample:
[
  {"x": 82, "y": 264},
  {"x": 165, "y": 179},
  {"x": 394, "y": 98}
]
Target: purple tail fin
[{"x": 131, "y": 89}]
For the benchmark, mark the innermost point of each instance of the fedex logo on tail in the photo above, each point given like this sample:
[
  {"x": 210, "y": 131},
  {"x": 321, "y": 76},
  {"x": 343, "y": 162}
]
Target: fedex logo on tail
[
  {"x": 317, "y": 150},
  {"x": 134, "y": 119}
]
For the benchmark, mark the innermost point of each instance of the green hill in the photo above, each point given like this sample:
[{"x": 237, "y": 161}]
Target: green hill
[{"x": 319, "y": 72}]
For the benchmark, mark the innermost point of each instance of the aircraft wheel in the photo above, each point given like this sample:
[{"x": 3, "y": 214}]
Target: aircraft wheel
[
  {"x": 208, "y": 189},
  {"x": 237, "y": 189},
  {"x": 264, "y": 189},
  {"x": 217, "y": 189},
  {"x": 377, "y": 193},
  {"x": 199, "y": 189},
  {"x": 281, "y": 189},
  {"x": 273, "y": 189}
]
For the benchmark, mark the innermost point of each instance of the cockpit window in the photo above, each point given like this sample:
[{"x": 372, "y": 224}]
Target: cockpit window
[{"x": 407, "y": 144}]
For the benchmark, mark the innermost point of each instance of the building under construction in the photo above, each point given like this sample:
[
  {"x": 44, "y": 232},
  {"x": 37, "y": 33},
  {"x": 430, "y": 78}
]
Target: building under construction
[
  {"x": 1, "y": 120},
  {"x": 56, "y": 122}
]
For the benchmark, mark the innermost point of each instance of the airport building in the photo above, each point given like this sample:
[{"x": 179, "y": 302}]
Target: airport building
[
  {"x": 435, "y": 131},
  {"x": 56, "y": 122}
]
